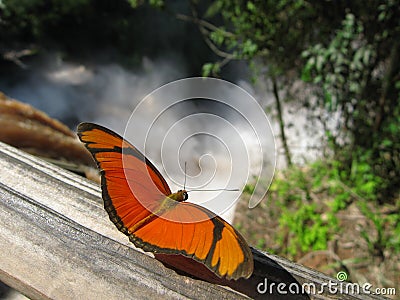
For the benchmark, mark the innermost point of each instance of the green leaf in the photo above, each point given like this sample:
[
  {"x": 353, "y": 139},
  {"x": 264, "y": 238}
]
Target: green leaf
[
  {"x": 213, "y": 9},
  {"x": 134, "y": 3},
  {"x": 207, "y": 69},
  {"x": 217, "y": 37},
  {"x": 157, "y": 3},
  {"x": 250, "y": 6},
  {"x": 210, "y": 69},
  {"x": 306, "y": 73}
]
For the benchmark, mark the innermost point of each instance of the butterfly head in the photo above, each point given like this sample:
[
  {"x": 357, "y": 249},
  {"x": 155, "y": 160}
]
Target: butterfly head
[{"x": 180, "y": 195}]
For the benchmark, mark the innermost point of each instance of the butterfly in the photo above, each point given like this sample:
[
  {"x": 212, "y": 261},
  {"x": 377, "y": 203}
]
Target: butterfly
[{"x": 140, "y": 203}]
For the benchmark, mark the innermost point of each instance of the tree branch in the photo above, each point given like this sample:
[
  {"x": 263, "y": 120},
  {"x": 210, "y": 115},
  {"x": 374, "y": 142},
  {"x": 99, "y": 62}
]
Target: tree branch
[{"x": 281, "y": 122}]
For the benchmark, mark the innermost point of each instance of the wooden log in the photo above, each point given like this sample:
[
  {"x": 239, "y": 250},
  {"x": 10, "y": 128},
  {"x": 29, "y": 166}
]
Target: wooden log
[{"x": 56, "y": 242}]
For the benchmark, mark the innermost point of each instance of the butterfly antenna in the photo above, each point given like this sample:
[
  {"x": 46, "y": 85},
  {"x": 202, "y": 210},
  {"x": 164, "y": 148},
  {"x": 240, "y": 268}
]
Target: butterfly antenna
[
  {"x": 184, "y": 182},
  {"x": 214, "y": 190}
]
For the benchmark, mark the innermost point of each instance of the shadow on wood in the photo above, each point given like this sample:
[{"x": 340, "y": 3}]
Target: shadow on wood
[{"x": 267, "y": 273}]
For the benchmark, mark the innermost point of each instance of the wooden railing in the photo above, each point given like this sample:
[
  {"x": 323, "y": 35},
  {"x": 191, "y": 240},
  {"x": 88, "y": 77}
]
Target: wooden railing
[{"x": 57, "y": 242}]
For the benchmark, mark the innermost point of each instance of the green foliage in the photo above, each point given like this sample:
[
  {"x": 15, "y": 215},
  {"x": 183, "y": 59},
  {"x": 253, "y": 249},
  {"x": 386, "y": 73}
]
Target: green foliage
[
  {"x": 26, "y": 18},
  {"x": 249, "y": 189},
  {"x": 210, "y": 69},
  {"x": 154, "y": 3},
  {"x": 309, "y": 199},
  {"x": 351, "y": 62},
  {"x": 341, "y": 65},
  {"x": 362, "y": 177},
  {"x": 383, "y": 239},
  {"x": 307, "y": 230},
  {"x": 348, "y": 74},
  {"x": 134, "y": 3},
  {"x": 307, "y": 222},
  {"x": 260, "y": 29}
]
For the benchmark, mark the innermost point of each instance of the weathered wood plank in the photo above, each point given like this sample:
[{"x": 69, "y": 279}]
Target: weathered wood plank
[{"x": 56, "y": 241}]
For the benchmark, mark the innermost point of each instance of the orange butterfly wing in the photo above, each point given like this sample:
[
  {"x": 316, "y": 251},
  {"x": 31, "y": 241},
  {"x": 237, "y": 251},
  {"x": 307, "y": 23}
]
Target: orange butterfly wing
[
  {"x": 213, "y": 241},
  {"x": 120, "y": 176}
]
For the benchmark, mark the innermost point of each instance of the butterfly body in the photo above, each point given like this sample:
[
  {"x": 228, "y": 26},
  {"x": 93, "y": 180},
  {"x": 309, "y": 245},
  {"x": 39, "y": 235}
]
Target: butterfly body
[
  {"x": 167, "y": 204},
  {"x": 139, "y": 202}
]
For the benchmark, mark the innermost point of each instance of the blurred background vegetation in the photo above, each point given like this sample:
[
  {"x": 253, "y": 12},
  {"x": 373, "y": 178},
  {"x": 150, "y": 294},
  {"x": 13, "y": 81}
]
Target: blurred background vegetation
[{"x": 338, "y": 59}]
